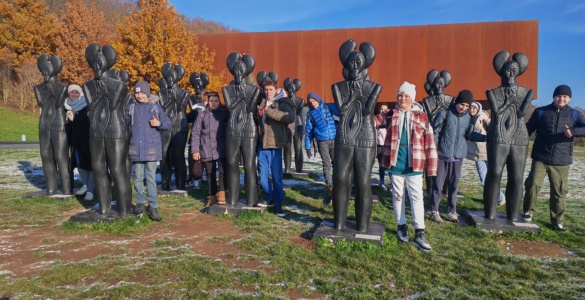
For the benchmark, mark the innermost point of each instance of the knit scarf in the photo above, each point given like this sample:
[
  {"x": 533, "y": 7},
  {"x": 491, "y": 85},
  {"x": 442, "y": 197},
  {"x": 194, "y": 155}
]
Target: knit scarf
[{"x": 76, "y": 105}]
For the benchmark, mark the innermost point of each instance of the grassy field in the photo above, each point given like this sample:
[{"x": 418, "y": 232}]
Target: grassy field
[
  {"x": 269, "y": 257},
  {"x": 14, "y": 125}
]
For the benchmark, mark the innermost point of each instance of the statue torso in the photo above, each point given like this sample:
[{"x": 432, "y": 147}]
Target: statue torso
[
  {"x": 506, "y": 127},
  {"x": 174, "y": 102},
  {"x": 355, "y": 128},
  {"x": 241, "y": 122},
  {"x": 106, "y": 109},
  {"x": 53, "y": 96}
]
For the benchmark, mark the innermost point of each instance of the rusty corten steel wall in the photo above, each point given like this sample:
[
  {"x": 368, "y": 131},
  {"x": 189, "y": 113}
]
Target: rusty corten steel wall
[{"x": 402, "y": 54}]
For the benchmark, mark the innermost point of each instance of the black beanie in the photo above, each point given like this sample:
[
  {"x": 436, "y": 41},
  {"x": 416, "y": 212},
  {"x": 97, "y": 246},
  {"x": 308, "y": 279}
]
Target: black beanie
[
  {"x": 464, "y": 96},
  {"x": 142, "y": 86},
  {"x": 563, "y": 90}
]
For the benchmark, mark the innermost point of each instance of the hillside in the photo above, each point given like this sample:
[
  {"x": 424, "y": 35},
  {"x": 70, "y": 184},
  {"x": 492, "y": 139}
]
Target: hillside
[{"x": 14, "y": 125}]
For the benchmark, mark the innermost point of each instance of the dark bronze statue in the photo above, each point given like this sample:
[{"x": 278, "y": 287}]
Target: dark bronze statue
[
  {"x": 241, "y": 99},
  {"x": 108, "y": 133},
  {"x": 507, "y": 136},
  {"x": 355, "y": 142},
  {"x": 298, "y": 132},
  {"x": 437, "y": 100},
  {"x": 199, "y": 82},
  {"x": 174, "y": 101},
  {"x": 51, "y": 96}
]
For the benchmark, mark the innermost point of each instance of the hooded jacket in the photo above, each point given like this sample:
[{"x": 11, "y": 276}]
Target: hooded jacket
[
  {"x": 450, "y": 127},
  {"x": 477, "y": 150},
  {"x": 273, "y": 130},
  {"x": 320, "y": 122},
  {"x": 145, "y": 140},
  {"x": 209, "y": 134}
]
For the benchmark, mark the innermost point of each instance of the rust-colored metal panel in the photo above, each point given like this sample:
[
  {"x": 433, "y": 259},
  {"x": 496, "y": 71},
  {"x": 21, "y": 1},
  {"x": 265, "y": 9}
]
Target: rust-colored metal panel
[
  {"x": 467, "y": 61},
  {"x": 413, "y": 56},
  {"x": 403, "y": 53},
  {"x": 312, "y": 67}
]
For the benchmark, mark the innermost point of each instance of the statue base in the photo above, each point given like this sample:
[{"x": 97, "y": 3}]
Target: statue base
[
  {"x": 93, "y": 215},
  {"x": 375, "y": 198},
  {"x": 327, "y": 231},
  {"x": 237, "y": 209},
  {"x": 500, "y": 223},
  {"x": 293, "y": 174},
  {"x": 163, "y": 193},
  {"x": 41, "y": 194}
]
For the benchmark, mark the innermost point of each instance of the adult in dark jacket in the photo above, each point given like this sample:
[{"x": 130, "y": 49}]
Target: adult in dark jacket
[
  {"x": 450, "y": 126},
  {"x": 320, "y": 125},
  {"x": 556, "y": 125},
  {"x": 78, "y": 123},
  {"x": 146, "y": 118},
  {"x": 208, "y": 144}
]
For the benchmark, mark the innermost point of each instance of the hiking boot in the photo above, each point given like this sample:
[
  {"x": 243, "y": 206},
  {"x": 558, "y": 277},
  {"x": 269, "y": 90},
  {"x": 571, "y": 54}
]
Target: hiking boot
[
  {"x": 211, "y": 200},
  {"x": 436, "y": 217},
  {"x": 420, "y": 241},
  {"x": 279, "y": 211},
  {"x": 139, "y": 208},
  {"x": 81, "y": 191},
  {"x": 559, "y": 227},
  {"x": 220, "y": 197},
  {"x": 153, "y": 213},
  {"x": 527, "y": 217},
  {"x": 452, "y": 217},
  {"x": 402, "y": 233}
]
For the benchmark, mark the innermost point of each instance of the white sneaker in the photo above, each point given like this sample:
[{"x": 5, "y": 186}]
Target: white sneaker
[
  {"x": 196, "y": 184},
  {"x": 81, "y": 191},
  {"x": 88, "y": 196}
]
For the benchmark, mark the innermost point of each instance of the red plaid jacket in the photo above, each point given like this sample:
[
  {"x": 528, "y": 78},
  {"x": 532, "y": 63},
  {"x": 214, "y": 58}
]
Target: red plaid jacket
[{"x": 424, "y": 150}]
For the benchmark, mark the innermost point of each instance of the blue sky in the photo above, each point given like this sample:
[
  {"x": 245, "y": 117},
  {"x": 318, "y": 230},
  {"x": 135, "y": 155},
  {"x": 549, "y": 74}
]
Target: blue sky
[{"x": 561, "y": 40}]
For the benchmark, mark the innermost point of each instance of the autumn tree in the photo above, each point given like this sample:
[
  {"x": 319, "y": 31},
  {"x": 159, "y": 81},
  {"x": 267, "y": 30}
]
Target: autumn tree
[
  {"x": 27, "y": 30},
  {"x": 75, "y": 34},
  {"x": 154, "y": 34}
]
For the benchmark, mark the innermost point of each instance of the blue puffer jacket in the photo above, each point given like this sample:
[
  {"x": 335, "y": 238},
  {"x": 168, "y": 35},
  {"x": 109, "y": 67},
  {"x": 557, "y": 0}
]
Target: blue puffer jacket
[
  {"x": 320, "y": 122},
  {"x": 450, "y": 128},
  {"x": 145, "y": 140}
]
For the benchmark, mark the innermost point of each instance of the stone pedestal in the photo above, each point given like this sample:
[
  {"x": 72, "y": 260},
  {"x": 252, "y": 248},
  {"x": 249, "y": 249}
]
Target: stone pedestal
[
  {"x": 293, "y": 174},
  {"x": 240, "y": 207},
  {"x": 163, "y": 193},
  {"x": 500, "y": 223},
  {"x": 40, "y": 194},
  {"x": 327, "y": 230},
  {"x": 93, "y": 215}
]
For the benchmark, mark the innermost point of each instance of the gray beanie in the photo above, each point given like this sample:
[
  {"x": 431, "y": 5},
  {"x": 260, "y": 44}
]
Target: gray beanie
[{"x": 142, "y": 86}]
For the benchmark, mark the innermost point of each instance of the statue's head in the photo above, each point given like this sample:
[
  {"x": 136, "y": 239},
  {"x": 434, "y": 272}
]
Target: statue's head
[
  {"x": 436, "y": 83},
  {"x": 263, "y": 76},
  {"x": 49, "y": 66},
  {"x": 292, "y": 86},
  {"x": 172, "y": 74},
  {"x": 509, "y": 70},
  {"x": 240, "y": 66},
  {"x": 199, "y": 82},
  {"x": 356, "y": 62},
  {"x": 119, "y": 75},
  {"x": 100, "y": 59}
]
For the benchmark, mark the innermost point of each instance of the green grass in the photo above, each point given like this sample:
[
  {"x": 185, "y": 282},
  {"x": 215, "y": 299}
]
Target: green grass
[
  {"x": 14, "y": 125},
  {"x": 465, "y": 263}
]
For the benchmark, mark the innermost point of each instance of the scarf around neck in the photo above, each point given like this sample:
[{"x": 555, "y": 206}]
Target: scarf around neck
[{"x": 76, "y": 105}]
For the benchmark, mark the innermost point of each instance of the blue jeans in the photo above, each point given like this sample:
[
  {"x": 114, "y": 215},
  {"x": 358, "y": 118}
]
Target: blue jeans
[
  {"x": 270, "y": 161},
  {"x": 145, "y": 169},
  {"x": 481, "y": 166}
]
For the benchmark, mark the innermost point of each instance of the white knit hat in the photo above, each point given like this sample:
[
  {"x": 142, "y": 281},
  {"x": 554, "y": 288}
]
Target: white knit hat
[
  {"x": 74, "y": 87},
  {"x": 409, "y": 89}
]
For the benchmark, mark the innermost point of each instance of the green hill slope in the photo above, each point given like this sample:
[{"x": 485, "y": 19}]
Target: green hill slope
[{"x": 13, "y": 125}]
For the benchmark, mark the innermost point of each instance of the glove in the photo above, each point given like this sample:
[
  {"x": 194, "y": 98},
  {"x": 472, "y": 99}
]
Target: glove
[
  {"x": 69, "y": 116},
  {"x": 309, "y": 153}
]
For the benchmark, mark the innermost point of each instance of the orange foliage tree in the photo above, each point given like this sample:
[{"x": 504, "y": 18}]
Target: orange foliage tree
[
  {"x": 155, "y": 34},
  {"x": 27, "y": 29},
  {"x": 75, "y": 34}
]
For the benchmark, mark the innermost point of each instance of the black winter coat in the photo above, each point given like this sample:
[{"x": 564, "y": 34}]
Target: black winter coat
[{"x": 551, "y": 146}]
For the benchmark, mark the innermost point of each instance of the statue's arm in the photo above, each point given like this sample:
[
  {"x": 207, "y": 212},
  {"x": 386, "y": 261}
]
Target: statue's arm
[
  {"x": 40, "y": 100},
  {"x": 491, "y": 96},
  {"x": 372, "y": 100},
  {"x": 525, "y": 104},
  {"x": 338, "y": 98},
  {"x": 117, "y": 96},
  {"x": 62, "y": 96},
  {"x": 254, "y": 100},
  {"x": 229, "y": 102}
]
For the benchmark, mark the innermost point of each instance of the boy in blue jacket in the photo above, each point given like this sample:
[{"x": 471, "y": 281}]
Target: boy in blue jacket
[
  {"x": 146, "y": 118},
  {"x": 321, "y": 126}
]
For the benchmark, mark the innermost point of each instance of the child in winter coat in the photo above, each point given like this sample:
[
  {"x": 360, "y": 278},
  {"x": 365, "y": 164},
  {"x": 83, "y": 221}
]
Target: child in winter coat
[
  {"x": 146, "y": 118},
  {"x": 208, "y": 145}
]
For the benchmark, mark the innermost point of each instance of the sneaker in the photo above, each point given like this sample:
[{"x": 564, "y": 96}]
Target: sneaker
[
  {"x": 502, "y": 203},
  {"x": 436, "y": 217},
  {"x": 559, "y": 227},
  {"x": 88, "y": 196},
  {"x": 196, "y": 184},
  {"x": 383, "y": 187},
  {"x": 139, "y": 208},
  {"x": 81, "y": 191},
  {"x": 527, "y": 217},
  {"x": 265, "y": 203},
  {"x": 402, "y": 233},
  {"x": 452, "y": 216},
  {"x": 280, "y": 212},
  {"x": 153, "y": 213},
  {"x": 420, "y": 241}
]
